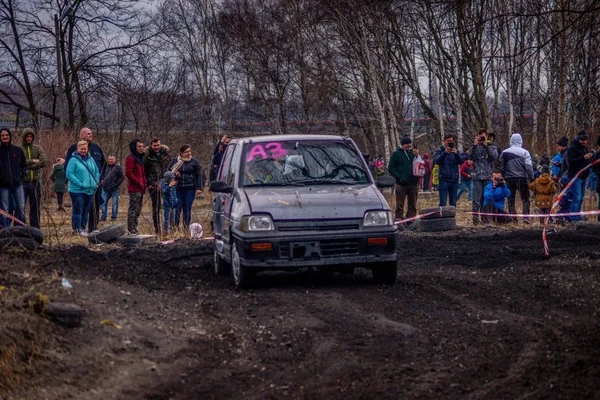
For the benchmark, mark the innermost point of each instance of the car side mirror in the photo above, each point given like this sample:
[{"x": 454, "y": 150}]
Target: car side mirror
[
  {"x": 385, "y": 182},
  {"x": 220, "y": 187}
]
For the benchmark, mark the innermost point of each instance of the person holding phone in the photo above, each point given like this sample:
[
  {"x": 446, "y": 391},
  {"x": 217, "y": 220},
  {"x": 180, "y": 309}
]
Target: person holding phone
[
  {"x": 484, "y": 155},
  {"x": 449, "y": 161}
]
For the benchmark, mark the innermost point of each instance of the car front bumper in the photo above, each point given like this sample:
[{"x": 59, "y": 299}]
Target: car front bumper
[{"x": 320, "y": 249}]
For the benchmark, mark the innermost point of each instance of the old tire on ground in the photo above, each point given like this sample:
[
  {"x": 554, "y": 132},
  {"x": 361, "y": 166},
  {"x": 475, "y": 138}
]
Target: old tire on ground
[
  {"x": 447, "y": 212},
  {"x": 385, "y": 273},
  {"x": 242, "y": 277},
  {"x": 222, "y": 267},
  {"x": 437, "y": 225},
  {"x": 107, "y": 234},
  {"x": 26, "y": 243},
  {"x": 136, "y": 240},
  {"x": 65, "y": 314},
  {"x": 27, "y": 232}
]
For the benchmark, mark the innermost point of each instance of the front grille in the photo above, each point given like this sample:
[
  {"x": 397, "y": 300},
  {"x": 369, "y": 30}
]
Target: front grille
[
  {"x": 317, "y": 225},
  {"x": 318, "y": 228},
  {"x": 336, "y": 247},
  {"x": 328, "y": 248}
]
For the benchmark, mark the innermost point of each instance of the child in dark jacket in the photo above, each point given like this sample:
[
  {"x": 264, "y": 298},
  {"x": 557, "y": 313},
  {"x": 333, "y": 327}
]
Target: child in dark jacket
[
  {"x": 495, "y": 194},
  {"x": 170, "y": 200}
]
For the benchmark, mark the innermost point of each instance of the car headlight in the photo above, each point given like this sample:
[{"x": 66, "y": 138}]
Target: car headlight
[
  {"x": 256, "y": 223},
  {"x": 378, "y": 218}
]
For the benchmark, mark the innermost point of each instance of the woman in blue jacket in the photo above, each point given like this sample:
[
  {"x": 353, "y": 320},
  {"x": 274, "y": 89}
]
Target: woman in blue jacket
[
  {"x": 189, "y": 182},
  {"x": 83, "y": 176}
]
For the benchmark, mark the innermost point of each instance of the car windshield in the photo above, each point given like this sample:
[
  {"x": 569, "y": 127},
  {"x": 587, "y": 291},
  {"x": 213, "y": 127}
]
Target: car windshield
[{"x": 308, "y": 162}]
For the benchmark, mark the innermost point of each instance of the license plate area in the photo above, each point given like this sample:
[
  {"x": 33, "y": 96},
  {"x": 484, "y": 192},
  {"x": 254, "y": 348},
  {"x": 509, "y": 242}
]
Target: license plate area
[{"x": 305, "y": 250}]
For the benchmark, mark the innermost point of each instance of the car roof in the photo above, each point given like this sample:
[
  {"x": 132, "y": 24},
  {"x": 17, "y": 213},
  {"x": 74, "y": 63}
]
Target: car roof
[{"x": 281, "y": 138}]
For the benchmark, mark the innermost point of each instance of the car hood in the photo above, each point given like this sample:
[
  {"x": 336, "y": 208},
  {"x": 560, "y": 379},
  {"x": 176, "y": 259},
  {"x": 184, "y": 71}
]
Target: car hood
[{"x": 315, "y": 202}]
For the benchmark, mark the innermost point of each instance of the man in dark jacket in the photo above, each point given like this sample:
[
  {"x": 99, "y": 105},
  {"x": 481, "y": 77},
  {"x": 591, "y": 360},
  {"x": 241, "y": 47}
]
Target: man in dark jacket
[
  {"x": 156, "y": 161},
  {"x": 596, "y": 169},
  {"x": 136, "y": 183},
  {"x": 516, "y": 167},
  {"x": 112, "y": 178},
  {"x": 407, "y": 184},
  {"x": 13, "y": 168},
  {"x": 484, "y": 155},
  {"x": 32, "y": 186},
  {"x": 97, "y": 154},
  {"x": 579, "y": 157},
  {"x": 449, "y": 162}
]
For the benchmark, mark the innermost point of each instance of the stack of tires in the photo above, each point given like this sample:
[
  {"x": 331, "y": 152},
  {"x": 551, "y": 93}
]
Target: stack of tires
[
  {"x": 25, "y": 237},
  {"x": 439, "y": 219},
  {"x": 109, "y": 234}
]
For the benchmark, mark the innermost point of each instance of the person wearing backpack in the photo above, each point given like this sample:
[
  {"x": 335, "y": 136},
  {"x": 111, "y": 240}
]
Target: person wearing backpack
[
  {"x": 407, "y": 184},
  {"x": 449, "y": 162}
]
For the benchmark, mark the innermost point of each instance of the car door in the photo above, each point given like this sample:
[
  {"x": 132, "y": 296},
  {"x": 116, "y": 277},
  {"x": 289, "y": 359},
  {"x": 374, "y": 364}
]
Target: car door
[
  {"x": 220, "y": 199},
  {"x": 230, "y": 200}
]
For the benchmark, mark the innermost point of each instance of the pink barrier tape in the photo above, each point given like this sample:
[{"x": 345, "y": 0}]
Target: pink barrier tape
[
  {"x": 594, "y": 212},
  {"x": 7, "y": 215},
  {"x": 558, "y": 198},
  {"x": 415, "y": 218}
]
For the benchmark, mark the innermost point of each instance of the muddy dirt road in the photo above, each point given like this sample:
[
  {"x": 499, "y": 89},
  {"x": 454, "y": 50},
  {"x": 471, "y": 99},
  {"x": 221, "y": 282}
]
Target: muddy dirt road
[{"x": 476, "y": 313}]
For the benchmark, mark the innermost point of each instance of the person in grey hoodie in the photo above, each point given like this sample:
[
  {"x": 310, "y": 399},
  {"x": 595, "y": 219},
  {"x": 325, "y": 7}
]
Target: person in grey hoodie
[
  {"x": 517, "y": 168},
  {"x": 484, "y": 155}
]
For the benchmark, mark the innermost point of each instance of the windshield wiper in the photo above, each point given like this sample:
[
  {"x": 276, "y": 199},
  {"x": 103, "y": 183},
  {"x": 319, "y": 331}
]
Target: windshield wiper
[
  {"x": 275, "y": 184},
  {"x": 329, "y": 182}
]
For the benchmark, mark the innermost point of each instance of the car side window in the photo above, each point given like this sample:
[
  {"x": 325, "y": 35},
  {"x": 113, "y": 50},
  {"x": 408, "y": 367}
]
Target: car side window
[
  {"x": 226, "y": 163},
  {"x": 234, "y": 167}
]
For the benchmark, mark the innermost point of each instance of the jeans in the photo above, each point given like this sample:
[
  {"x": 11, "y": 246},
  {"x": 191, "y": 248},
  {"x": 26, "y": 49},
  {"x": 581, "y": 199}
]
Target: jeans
[
  {"x": 82, "y": 205},
  {"x": 7, "y": 196},
  {"x": 33, "y": 194},
  {"x": 134, "y": 211},
  {"x": 577, "y": 192},
  {"x": 155, "y": 196},
  {"x": 466, "y": 185},
  {"x": 478, "y": 187},
  {"x": 522, "y": 186},
  {"x": 169, "y": 218},
  {"x": 448, "y": 190},
  {"x": 114, "y": 195},
  {"x": 186, "y": 198}
]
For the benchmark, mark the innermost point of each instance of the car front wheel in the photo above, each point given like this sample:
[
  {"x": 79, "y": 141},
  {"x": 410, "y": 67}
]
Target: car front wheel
[
  {"x": 385, "y": 273},
  {"x": 242, "y": 277}
]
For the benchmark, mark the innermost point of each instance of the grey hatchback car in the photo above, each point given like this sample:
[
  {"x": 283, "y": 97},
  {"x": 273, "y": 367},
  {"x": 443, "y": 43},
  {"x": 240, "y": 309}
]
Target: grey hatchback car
[{"x": 294, "y": 201}]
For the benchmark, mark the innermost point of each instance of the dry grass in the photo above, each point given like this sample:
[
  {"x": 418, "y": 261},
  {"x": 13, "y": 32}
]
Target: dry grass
[
  {"x": 58, "y": 231},
  {"x": 57, "y": 226},
  {"x": 463, "y": 206}
]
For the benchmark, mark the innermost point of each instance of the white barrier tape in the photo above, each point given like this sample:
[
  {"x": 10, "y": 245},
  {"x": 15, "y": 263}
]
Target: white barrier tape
[
  {"x": 414, "y": 218},
  {"x": 558, "y": 198},
  {"x": 594, "y": 212},
  {"x": 7, "y": 215}
]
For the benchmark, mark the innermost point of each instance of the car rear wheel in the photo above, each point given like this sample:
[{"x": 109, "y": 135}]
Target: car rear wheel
[
  {"x": 385, "y": 273},
  {"x": 222, "y": 267},
  {"x": 242, "y": 277}
]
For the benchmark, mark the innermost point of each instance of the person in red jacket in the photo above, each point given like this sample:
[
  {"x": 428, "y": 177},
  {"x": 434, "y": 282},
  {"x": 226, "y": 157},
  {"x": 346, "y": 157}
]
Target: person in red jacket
[
  {"x": 136, "y": 183},
  {"x": 466, "y": 183}
]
